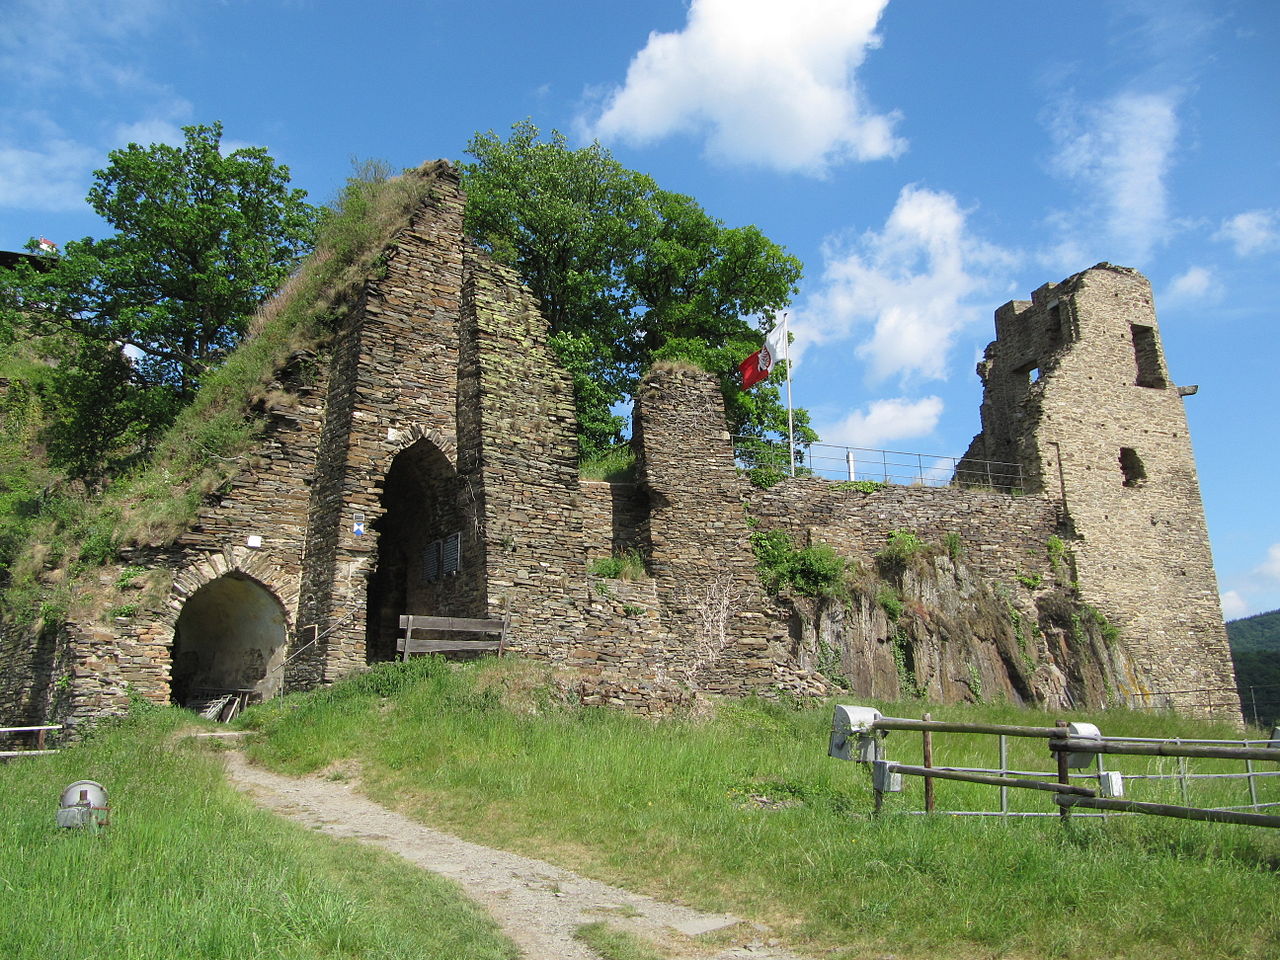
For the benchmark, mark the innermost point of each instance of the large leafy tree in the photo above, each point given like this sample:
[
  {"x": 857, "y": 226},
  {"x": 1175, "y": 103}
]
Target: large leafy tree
[
  {"x": 135, "y": 319},
  {"x": 626, "y": 273}
]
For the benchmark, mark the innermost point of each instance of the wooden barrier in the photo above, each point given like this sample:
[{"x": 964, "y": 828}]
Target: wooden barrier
[
  {"x": 452, "y": 629},
  {"x": 39, "y": 731}
]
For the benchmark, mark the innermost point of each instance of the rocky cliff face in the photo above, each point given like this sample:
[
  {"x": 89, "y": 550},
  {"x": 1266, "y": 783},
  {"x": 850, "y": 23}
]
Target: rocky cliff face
[{"x": 930, "y": 627}]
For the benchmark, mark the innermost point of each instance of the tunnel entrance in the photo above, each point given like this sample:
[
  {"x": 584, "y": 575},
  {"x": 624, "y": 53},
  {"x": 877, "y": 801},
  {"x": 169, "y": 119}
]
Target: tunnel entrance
[
  {"x": 228, "y": 646},
  {"x": 421, "y": 552}
]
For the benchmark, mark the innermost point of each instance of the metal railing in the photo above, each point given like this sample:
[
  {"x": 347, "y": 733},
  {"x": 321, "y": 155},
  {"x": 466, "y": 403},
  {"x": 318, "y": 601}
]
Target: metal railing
[
  {"x": 858, "y": 734},
  {"x": 841, "y": 463}
]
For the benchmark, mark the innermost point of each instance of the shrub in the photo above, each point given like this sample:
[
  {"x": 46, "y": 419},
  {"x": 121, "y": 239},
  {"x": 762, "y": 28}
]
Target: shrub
[{"x": 814, "y": 571}]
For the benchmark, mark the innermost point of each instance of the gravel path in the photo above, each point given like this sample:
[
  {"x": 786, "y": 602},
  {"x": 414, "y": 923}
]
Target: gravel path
[{"x": 538, "y": 905}]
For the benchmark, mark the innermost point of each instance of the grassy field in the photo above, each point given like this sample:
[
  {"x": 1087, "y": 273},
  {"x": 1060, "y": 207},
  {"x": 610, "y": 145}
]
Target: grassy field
[
  {"x": 189, "y": 869},
  {"x": 742, "y": 811}
]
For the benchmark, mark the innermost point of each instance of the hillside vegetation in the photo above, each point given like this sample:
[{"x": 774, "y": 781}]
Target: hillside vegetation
[
  {"x": 1255, "y": 650},
  {"x": 54, "y": 531},
  {"x": 188, "y": 868},
  {"x": 741, "y": 810}
]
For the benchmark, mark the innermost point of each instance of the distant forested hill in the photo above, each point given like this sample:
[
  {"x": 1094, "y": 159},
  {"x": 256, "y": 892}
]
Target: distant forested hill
[
  {"x": 1255, "y": 648},
  {"x": 1260, "y": 632}
]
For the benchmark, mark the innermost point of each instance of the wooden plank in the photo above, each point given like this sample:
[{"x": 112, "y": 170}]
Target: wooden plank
[
  {"x": 1168, "y": 749},
  {"x": 419, "y": 645},
  {"x": 467, "y": 624},
  {"x": 945, "y": 726},
  {"x": 943, "y": 774},
  {"x": 1167, "y": 810}
]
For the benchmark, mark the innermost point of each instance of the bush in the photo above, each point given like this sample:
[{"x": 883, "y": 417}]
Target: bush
[{"x": 815, "y": 571}]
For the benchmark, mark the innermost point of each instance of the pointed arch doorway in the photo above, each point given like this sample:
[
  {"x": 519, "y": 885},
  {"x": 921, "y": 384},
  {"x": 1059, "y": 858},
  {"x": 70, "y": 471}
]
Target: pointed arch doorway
[{"x": 422, "y": 554}]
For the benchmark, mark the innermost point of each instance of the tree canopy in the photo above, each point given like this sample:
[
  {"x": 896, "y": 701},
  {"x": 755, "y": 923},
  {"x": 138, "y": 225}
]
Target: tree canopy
[
  {"x": 627, "y": 273},
  {"x": 135, "y": 319}
]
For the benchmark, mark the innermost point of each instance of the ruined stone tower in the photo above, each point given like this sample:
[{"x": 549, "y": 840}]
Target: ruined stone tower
[{"x": 1076, "y": 391}]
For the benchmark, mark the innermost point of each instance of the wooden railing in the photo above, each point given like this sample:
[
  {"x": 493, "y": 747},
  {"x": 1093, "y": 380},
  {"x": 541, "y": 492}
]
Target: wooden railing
[{"x": 38, "y": 731}]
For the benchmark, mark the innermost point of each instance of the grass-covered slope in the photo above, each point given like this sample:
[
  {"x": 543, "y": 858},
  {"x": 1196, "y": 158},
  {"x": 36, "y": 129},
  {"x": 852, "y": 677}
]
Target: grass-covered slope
[
  {"x": 743, "y": 811},
  {"x": 189, "y": 869}
]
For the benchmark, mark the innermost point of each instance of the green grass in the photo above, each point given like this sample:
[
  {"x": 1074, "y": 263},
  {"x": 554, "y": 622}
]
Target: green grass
[
  {"x": 745, "y": 813},
  {"x": 189, "y": 869},
  {"x": 613, "y": 943}
]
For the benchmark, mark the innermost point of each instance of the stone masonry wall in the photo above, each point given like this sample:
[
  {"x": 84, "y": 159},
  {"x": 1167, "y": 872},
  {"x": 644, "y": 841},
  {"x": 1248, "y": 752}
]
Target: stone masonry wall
[
  {"x": 1104, "y": 432},
  {"x": 1001, "y": 536},
  {"x": 517, "y": 446},
  {"x": 697, "y": 540}
]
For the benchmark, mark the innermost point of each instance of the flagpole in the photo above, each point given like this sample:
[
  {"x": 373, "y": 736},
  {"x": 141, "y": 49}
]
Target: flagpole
[{"x": 791, "y": 425}]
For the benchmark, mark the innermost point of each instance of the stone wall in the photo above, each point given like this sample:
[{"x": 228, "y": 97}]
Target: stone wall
[
  {"x": 1000, "y": 536},
  {"x": 1077, "y": 390}
]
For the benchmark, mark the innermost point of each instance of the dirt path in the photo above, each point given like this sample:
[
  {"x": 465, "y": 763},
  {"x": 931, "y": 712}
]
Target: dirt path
[{"x": 537, "y": 905}]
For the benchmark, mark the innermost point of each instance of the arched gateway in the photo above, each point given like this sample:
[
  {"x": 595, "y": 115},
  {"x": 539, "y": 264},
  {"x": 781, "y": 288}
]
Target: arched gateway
[{"x": 229, "y": 639}]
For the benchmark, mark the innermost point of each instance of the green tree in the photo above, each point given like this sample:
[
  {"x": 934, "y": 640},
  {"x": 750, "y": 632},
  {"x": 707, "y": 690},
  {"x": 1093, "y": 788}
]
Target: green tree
[
  {"x": 135, "y": 319},
  {"x": 626, "y": 273}
]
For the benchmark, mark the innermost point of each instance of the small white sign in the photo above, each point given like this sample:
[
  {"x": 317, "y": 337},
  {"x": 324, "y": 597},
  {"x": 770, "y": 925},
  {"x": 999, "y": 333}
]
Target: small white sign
[
  {"x": 358, "y": 528},
  {"x": 254, "y": 542}
]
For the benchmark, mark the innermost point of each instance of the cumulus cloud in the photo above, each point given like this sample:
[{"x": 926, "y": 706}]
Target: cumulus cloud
[
  {"x": 1270, "y": 567},
  {"x": 904, "y": 291},
  {"x": 885, "y": 421},
  {"x": 1255, "y": 231},
  {"x": 1119, "y": 153},
  {"x": 1195, "y": 283},
  {"x": 54, "y": 176},
  {"x": 76, "y": 58},
  {"x": 1234, "y": 606},
  {"x": 765, "y": 83},
  {"x": 1255, "y": 590}
]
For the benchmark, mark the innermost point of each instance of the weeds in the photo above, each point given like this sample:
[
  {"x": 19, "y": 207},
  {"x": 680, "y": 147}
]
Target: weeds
[{"x": 623, "y": 565}]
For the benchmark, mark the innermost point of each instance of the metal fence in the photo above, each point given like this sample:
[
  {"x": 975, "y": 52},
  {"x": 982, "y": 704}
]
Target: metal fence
[
  {"x": 841, "y": 463},
  {"x": 1153, "y": 769}
]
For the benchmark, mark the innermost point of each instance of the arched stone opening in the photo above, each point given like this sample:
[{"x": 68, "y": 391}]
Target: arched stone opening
[
  {"x": 230, "y": 637},
  {"x": 422, "y": 551}
]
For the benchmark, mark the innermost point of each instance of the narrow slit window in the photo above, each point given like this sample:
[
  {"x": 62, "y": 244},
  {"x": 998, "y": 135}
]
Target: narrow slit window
[{"x": 1131, "y": 466}]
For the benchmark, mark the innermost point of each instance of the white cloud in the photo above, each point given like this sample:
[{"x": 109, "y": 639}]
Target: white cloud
[
  {"x": 1270, "y": 567},
  {"x": 766, "y": 83},
  {"x": 914, "y": 284},
  {"x": 1195, "y": 283},
  {"x": 1255, "y": 231},
  {"x": 884, "y": 421},
  {"x": 1234, "y": 606},
  {"x": 1119, "y": 154},
  {"x": 54, "y": 177}
]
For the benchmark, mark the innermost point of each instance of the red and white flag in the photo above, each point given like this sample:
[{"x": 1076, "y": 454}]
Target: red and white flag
[{"x": 759, "y": 365}]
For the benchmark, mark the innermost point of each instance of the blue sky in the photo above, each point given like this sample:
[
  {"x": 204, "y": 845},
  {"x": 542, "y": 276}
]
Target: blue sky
[{"x": 928, "y": 160}]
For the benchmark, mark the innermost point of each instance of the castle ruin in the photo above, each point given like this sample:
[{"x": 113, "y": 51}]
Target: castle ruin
[{"x": 426, "y": 463}]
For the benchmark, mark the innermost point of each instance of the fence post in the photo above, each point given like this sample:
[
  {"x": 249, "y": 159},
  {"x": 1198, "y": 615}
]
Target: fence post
[
  {"x": 1064, "y": 776},
  {"x": 927, "y": 736},
  {"x": 1253, "y": 784},
  {"x": 1004, "y": 772},
  {"x": 849, "y": 464},
  {"x": 40, "y": 741}
]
